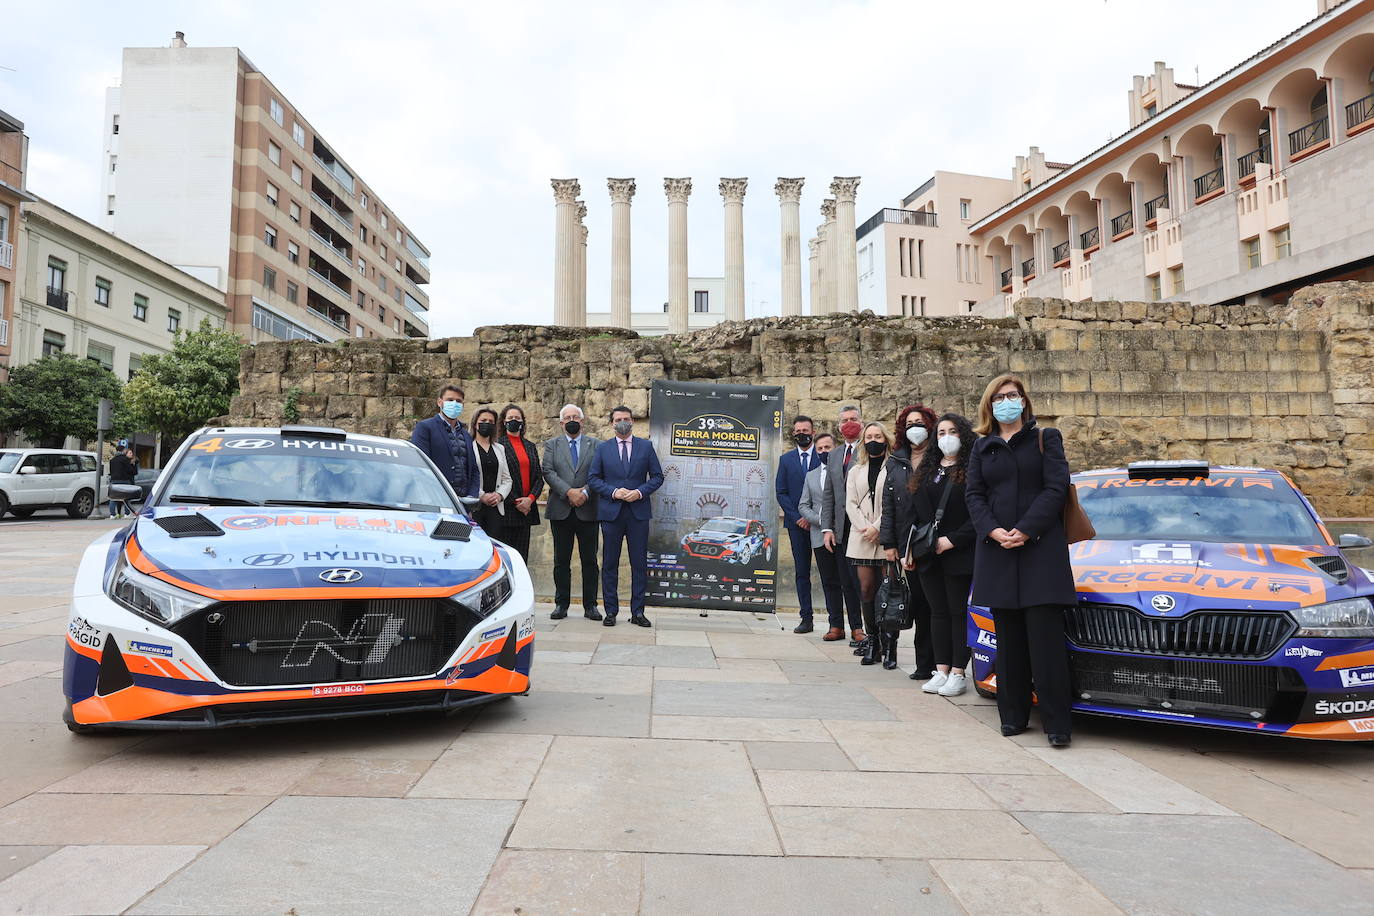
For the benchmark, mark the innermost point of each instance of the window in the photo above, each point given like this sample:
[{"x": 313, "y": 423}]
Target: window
[
  {"x": 273, "y": 153},
  {"x": 173, "y": 320},
  {"x": 358, "y": 330},
  {"x": 296, "y": 174},
  {"x": 57, "y": 275},
  {"x": 293, "y": 252},
  {"x": 1176, "y": 280},
  {"x": 398, "y": 265},
  {"x": 1283, "y": 243},
  {"x": 701, "y": 301},
  {"x": 381, "y": 281},
  {"x": 109, "y": 205},
  {"x": 383, "y": 250},
  {"x": 292, "y": 291},
  {"x": 921, "y": 258},
  {"x": 140, "y": 307},
  {"x": 362, "y": 267},
  {"x": 269, "y": 236},
  {"x": 135, "y": 364},
  {"x": 112, "y": 164},
  {"x": 381, "y": 314},
  {"x": 363, "y": 198},
  {"x": 362, "y": 234},
  {"x": 1319, "y": 104},
  {"x": 965, "y": 208},
  {"x": 114, "y": 128},
  {"x": 102, "y": 292},
  {"x": 53, "y": 342},
  {"x": 400, "y": 236},
  {"x": 1371, "y": 76},
  {"x": 269, "y": 278},
  {"x": 1151, "y": 110},
  {"x": 298, "y": 133},
  {"x": 295, "y": 213},
  {"x": 274, "y": 108},
  {"x": 362, "y": 299},
  {"x": 1156, "y": 290},
  {"x": 272, "y": 194},
  {"x": 1250, "y": 250}
]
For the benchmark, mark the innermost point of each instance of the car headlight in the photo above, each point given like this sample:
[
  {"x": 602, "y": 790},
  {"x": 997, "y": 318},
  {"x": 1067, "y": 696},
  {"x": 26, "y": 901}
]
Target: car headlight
[
  {"x": 1351, "y": 617},
  {"x": 493, "y": 593},
  {"x": 152, "y": 598}
]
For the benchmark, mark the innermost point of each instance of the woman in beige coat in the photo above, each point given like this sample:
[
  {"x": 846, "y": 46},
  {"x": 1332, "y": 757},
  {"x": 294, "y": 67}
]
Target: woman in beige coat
[{"x": 864, "y": 505}]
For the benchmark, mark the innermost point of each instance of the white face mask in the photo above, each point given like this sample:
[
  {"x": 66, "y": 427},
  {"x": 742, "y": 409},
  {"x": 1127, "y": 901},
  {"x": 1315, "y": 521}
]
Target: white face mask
[
  {"x": 949, "y": 445},
  {"x": 916, "y": 435}
]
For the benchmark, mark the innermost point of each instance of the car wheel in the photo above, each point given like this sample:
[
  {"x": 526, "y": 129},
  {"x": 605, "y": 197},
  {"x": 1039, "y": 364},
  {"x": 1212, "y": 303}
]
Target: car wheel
[
  {"x": 984, "y": 692},
  {"x": 22, "y": 513},
  {"x": 82, "y": 505},
  {"x": 4, "y": 504}
]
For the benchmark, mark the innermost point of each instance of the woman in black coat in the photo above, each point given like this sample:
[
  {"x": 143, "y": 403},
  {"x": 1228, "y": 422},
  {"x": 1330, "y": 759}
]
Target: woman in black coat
[
  {"x": 946, "y": 574},
  {"x": 1018, "y": 480},
  {"x": 915, "y": 424},
  {"x": 527, "y": 481}
]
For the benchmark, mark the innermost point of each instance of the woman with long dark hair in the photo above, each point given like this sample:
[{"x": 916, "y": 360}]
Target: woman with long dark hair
[
  {"x": 945, "y": 575},
  {"x": 489, "y": 457},
  {"x": 527, "y": 481},
  {"x": 1018, "y": 482},
  {"x": 915, "y": 435},
  {"x": 864, "y": 506}
]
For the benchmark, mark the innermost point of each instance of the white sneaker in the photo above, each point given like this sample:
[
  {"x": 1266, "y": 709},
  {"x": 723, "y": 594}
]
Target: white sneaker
[
  {"x": 954, "y": 685},
  {"x": 934, "y": 684}
]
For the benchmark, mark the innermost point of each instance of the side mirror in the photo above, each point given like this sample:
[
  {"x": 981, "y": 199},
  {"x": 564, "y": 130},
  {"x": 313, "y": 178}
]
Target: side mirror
[
  {"x": 469, "y": 502},
  {"x": 28, "y": 469},
  {"x": 1354, "y": 541}
]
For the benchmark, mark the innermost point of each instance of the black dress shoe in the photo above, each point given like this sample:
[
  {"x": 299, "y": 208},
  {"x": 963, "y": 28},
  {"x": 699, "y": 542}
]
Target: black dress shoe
[
  {"x": 920, "y": 675},
  {"x": 1060, "y": 740},
  {"x": 592, "y": 614},
  {"x": 855, "y": 643},
  {"x": 609, "y": 621},
  {"x": 1009, "y": 730},
  {"x": 640, "y": 621},
  {"x": 804, "y": 627},
  {"x": 558, "y": 613}
]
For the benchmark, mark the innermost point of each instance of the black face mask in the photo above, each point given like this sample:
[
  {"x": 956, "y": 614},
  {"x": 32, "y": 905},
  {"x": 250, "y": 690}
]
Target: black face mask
[
  {"x": 484, "y": 430},
  {"x": 515, "y": 426},
  {"x": 875, "y": 449},
  {"x": 572, "y": 428},
  {"x": 803, "y": 440}
]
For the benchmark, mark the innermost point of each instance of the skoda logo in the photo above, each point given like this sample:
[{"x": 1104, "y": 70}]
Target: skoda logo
[
  {"x": 268, "y": 559},
  {"x": 1162, "y": 603},
  {"x": 340, "y": 576}
]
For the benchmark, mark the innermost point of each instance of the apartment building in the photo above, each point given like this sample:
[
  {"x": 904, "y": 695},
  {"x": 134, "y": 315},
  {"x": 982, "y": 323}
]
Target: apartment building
[
  {"x": 14, "y": 154},
  {"x": 210, "y": 167},
  {"x": 705, "y": 309}
]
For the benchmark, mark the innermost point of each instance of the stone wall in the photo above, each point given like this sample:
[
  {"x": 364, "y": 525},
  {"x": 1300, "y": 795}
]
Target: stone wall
[{"x": 1289, "y": 387}]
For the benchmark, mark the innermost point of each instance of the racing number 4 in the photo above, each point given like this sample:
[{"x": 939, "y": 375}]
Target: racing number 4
[{"x": 209, "y": 445}]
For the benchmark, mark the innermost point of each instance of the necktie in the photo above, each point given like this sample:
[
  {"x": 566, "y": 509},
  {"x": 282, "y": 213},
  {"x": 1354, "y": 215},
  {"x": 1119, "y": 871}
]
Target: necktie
[
  {"x": 625, "y": 454},
  {"x": 572, "y": 444},
  {"x": 806, "y": 462},
  {"x": 848, "y": 453}
]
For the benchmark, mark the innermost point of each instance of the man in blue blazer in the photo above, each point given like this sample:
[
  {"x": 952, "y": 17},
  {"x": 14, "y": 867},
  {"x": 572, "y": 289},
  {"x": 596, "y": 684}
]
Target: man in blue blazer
[
  {"x": 447, "y": 443},
  {"x": 789, "y": 483},
  {"x": 624, "y": 472}
]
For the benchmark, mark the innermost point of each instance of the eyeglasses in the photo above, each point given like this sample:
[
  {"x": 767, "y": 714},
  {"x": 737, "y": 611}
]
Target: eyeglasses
[{"x": 1008, "y": 396}]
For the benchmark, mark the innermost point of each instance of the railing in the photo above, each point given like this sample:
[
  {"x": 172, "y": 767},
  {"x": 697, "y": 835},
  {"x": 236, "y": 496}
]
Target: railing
[
  {"x": 57, "y": 298},
  {"x": 344, "y": 180},
  {"x": 1090, "y": 239},
  {"x": 416, "y": 306},
  {"x": 1308, "y": 136},
  {"x": 1060, "y": 252},
  {"x": 892, "y": 215},
  {"x": 330, "y": 283},
  {"x": 1027, "y": 268},
  {"x": 333, "y": 214},
  {"x": 1006, "y": 277},
  {"x": 340, "y": 324},
  {"x": 1359, "y": 111},
  {"x": 1206, "y": 184},
  {"x": 4, "y": 331},
  {"x": 1248, "y": 161},
  {"x": 1152, "y": 207},
  {"x": 1123, "y": 223},
  {"x": 342, "y": 255},
  {"x": 416, "y": 249},
  {"x": 7, "y": 254},
  {"x": 279, "y": 327}
]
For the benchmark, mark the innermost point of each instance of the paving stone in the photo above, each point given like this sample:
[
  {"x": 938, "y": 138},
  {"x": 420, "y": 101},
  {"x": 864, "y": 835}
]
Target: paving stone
[
  {"x": 675, "y": 884},
  {"x": 1127, "y": 784},
  {"x": 683, "y": 637},
  {"x": 46, "y": 818},
  {"x": 728, "y": 728},
  {"x": 633, "y": 680},
  {"x": 1014, "y": 888},
  {"x": 938, "y": 747},
  {"x": 627, "y": 634},
  {"x": 485, "y": 765},
  {"x": 872, "y": 790},
  {"x": 536, "y": 882},
  {"x": 682, "y": 698},
  {"x": 778, "y": 647},
  {"x": 228, "y": 773},
  {"x": 34, "y": 648},
  {"x": 371, "y": 777},
  {"x": 344, "y": 856},
  {"x": 36, "y": 700},
  {"x": 17, "y": 858},
  {"x": 796, "y": 755},
  {"x": 1040, "y": 793},
  {"x": 13, "y": 672},
  {"x": 842, "y": 672},
  {"x": 562, "y": 656},
  {"x": 728, "y": 671},
  {"x": 905, "y": 833},
  {"x": 655, "y": 656},
  {"x": 637, "y": 795},
  {"x": 34, "y": 756},
  {"x": 91, "y": 879},
  {"x": 555, "y": 713},
  {"x": 1197, "y": 865},
  {"x": 419, "y": 736}
]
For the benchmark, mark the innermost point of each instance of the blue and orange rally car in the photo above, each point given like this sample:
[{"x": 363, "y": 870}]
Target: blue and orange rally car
[
  {"x": 1213, "y": 596},
  {"x": 279, "y": 575}
]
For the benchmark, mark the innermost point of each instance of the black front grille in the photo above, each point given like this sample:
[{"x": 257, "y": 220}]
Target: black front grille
[
  {"x": 708, "y": 550},
  {"x": 1201, "y": 634},
  {"x": 1175, "y": 684},
  {"x": 274, "y": 643}
]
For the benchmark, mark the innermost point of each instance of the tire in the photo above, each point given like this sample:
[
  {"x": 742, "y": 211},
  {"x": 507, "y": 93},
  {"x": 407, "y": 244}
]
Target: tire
[
  {"x": 984, "y": 692},
  {"x": 4, "y": 504},
  {"x": 23, "y": 512},
  {"x": 82, "y": 504}
]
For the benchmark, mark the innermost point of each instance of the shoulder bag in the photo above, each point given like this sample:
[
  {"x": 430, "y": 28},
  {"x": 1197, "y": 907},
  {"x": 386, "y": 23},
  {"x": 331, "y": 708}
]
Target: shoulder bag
[
  {"x": 920, "y": 543},
  {"x": 1077, "y": 525}
]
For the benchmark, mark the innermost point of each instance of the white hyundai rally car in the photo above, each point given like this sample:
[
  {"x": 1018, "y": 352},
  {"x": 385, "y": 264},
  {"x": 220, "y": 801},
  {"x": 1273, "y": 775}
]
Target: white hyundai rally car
[{"x": 279, "y": 575}]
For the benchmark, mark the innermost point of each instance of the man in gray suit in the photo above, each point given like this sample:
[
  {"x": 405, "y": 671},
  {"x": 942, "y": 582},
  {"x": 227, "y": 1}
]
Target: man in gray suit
[
  {"x": 835, "y": 519},
  {"x": 809, "y": 507},
  {"x": 571, "y": 511}
]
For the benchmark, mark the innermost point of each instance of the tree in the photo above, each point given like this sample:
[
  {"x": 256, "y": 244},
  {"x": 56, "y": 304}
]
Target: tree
[
  {"x": 176, "y": 392},
  {"x": 56, "y": 397}
]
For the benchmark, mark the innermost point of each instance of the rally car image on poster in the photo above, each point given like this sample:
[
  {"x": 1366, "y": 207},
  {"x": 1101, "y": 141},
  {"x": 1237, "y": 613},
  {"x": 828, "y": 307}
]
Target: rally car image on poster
[
  {"x": 733, "y": 540},
  {"x": 279, "y": 575},
  {"x": 1213, "y": 596}
]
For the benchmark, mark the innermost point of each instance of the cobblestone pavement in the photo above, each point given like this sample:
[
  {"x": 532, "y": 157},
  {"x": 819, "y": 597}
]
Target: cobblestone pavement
[{"x": 714, "y": 764}]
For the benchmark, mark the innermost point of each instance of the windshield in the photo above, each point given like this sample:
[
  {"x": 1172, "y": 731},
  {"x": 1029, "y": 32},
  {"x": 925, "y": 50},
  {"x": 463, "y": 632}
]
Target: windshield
[
  {"x": 723, "y": 526},
  {"x": 1224, "y": 508},
  {"x": 8, "y": 460},
  {"x": 270, "y": 468}
]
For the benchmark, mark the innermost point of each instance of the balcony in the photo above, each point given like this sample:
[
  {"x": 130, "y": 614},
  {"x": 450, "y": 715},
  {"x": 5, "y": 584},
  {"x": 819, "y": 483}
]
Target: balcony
[
  {"x": 414, "y": 276},
  {"x": 1208, "y": 184},
  {"x": 1123, "y": 224},
  {"x": 1006, "y": 279},
  {"x": 1247, "y": 162},
  {"x": 416, "y": 306},
  {"x": 1060, "y": 254},
  {"x": 1359, "y": 114},
  {"x": 333, "y": 167},
  {"x": 924, "y": 218},
  {"x": 418, "y": 250},
  {"x": 338, "y": 211},
  {"x": 1090, "y": 240},
  {"x": 322, "y": 272},
  {"x": 344, "y": 256},
  {"x": 58, "y": 298},
  {"x": 1305, "y": 138},
  {"x": 321, "y": 307},
  {"x": 1028, "y": 269},
  {"x": 6, "y": 255},
  {"x": 413, "y": 331},
  {"x": 1152, "y": 207}
]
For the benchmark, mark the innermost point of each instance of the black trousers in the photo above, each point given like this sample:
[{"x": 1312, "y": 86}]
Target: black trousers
[
  {"x": 801, "y": 560},
  {"x": 518, "y": 537},
  {"x": 948, "y": 599},
  {"x": 920, "y": 615},
  {"x": 827, "y": 566},
  {"x": 1032, "y": 654},
  {"x": 565, "y": 531},
  {"x": 849, "y": 580}
]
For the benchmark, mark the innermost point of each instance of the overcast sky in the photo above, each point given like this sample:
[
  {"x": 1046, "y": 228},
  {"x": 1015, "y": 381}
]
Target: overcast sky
[{"x": 459, "y": 114}]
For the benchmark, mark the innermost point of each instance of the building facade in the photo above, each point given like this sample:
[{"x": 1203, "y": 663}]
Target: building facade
[
  {"x": 92, "y": 294},
  {"x": 14, "y": 154},
  {"x": 705, "y": 308},
  {"x": 265, "y": 209}
]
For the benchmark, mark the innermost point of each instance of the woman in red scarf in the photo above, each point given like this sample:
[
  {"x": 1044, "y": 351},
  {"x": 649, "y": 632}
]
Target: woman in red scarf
[{"x": 527, "y": 481}]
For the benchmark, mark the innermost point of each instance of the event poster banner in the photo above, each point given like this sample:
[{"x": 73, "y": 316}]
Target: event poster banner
[{"x": 715, "y": 534}]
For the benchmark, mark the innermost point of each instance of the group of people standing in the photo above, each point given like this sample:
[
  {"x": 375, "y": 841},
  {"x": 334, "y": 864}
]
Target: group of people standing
[{"x": 965, "y": 512}]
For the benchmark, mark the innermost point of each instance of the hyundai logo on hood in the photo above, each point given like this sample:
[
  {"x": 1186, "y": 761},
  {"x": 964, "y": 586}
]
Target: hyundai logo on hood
[{"x": 340, "y": 576}]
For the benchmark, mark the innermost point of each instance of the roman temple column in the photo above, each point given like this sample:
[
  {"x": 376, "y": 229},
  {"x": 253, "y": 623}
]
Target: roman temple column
[
  {"x": 581, "y": 264},
  {"x": 846, "y": 253},
  {"x": 813, "y": 245},
  {"x": 565, "y": 191},
  {"x": 732, "y": 191},
  {"x": 677, "y": 190},
  {"x": 789, "y": 196},
  {"x": 622, "y": 191},
  {"x": 830, "y": 262}
]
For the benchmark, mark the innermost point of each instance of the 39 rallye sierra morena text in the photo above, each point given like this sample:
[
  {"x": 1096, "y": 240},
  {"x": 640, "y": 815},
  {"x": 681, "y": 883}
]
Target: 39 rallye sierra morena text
[
  {"x": 733, "y": 540},
  {"x": 291, "y": 574},
  {"x": 1212, "y": 596}
]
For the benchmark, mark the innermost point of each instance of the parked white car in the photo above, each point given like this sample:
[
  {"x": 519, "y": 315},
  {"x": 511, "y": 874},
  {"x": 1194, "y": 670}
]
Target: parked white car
[{"x": 47, "y": 478}]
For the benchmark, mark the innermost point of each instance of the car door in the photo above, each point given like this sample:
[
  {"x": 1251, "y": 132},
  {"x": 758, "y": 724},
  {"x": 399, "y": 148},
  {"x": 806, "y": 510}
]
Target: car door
[
  {"x": 33, "y": 489},
  {"x": 67, "y": 478}
]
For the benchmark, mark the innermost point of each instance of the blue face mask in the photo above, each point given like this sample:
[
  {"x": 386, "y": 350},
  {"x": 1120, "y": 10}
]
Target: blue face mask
[
  {"x": 452, "y": 409},
  {"x": 1008, "y": 411}
]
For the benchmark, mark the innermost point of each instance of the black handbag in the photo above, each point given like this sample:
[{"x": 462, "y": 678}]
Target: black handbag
[
  {"x": 920, "y": 543},
  {"x": 893, "y": 600}
]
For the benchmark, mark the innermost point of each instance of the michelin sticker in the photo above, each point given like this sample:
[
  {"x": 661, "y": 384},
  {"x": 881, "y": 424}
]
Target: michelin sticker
[
  {"x": 1357, "y": 677},
  {"x": 492, "y": 634},
  {"x": 150, "y": 648}
]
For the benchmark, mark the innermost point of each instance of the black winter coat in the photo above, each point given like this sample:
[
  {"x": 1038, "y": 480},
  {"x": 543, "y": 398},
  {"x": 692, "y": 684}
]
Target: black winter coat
[
  {"x": 956, "y": 524},
  {"x": 1012, "y": 485},
  {"x": 513, "y": 517},
  {"x": 896, "y": 520}
]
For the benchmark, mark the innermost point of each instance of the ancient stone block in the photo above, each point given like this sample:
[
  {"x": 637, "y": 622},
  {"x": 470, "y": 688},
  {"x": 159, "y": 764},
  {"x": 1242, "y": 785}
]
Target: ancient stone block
[
  {"x": 505, "y": 365},
  {"x": 261, "y": 383}
]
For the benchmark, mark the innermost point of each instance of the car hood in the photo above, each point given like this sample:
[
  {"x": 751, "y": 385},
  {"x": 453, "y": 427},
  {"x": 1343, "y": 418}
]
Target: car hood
[
  {"x": 1171, "y": 578},
  {"x": 282, "y": 549},
  {"x": 713, "y": 537}
]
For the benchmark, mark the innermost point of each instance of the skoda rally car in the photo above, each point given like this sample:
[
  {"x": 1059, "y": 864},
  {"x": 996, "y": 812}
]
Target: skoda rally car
[
  {"x": 291, "y": 574},
  {"x": 1213, "y": 596},
  {"x": 734, "y": 540}
]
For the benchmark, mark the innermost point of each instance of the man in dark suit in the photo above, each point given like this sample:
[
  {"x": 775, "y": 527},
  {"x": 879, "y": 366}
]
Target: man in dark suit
[
  {"x": 835, "y": 519},
  {"x": 624, "y": 472},
  {"x": 445, "y": 440},
  {"x": 571, "y": 511},
  {"x": 789, "y": 483}
]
